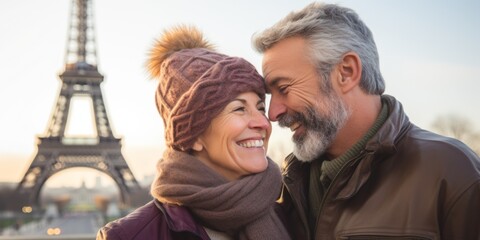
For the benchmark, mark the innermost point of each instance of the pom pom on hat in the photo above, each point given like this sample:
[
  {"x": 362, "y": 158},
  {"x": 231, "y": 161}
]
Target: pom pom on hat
[
  {"x": 175, "y": 39},
  {"x": 195, "y": 83}
]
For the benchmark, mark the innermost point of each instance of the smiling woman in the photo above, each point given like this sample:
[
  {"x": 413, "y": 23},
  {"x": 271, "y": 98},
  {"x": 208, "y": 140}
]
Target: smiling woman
[
  {"x": 235, "y": 143},
  {"x": 215, "y": 175}
]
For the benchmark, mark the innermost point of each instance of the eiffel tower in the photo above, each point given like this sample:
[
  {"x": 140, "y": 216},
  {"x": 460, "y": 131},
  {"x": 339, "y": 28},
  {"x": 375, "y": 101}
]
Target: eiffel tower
[{"x": 56, "y": 151}]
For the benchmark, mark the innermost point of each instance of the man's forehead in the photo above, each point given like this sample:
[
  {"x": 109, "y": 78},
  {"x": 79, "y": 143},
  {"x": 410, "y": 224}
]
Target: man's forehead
[
  {"x": 270, "y": 68},
  {"x": 266, "y": 65}
]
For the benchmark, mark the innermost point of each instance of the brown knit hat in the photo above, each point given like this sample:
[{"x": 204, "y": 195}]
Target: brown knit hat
[{"x": 195, "y": 83}]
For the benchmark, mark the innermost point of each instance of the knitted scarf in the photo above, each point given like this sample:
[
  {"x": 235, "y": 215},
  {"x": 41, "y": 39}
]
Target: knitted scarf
[{"x": 243, "y": 208}]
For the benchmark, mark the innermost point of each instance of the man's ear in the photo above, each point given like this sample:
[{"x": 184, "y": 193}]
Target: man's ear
[
  {"x": 350, "y": 69},
  {"x": 197, "y": 145}
]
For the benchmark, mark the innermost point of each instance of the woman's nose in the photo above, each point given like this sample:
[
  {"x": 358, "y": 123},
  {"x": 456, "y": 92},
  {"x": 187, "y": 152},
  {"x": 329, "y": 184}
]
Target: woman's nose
[{"x": 259, "y": 120}]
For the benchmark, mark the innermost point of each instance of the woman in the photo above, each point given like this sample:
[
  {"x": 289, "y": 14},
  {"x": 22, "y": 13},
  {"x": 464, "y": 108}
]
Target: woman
[{"x": 214, "y": 181}]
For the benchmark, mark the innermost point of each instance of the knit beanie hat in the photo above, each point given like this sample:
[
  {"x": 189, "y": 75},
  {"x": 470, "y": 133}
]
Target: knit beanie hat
[{"x": 195, "y": 83}]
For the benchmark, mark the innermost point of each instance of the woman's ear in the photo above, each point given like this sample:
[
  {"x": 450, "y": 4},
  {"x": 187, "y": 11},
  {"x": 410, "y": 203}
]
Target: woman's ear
[
  {"x": 350, "y": 69},
  {"x": 197, "y": 145}
]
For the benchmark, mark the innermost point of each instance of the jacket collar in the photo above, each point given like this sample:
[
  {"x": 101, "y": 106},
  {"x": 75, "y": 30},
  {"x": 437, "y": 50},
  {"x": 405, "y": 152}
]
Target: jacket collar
[
  {"x": 392, "y": 130},
  {"x": 179, "y": 219},
  {"x": 378, "y": 148}
]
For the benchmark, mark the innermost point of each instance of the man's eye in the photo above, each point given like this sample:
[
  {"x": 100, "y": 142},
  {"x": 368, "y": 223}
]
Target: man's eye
[
  {"x": 262, "y": 109},
  {"x": 283, "y": 89}
]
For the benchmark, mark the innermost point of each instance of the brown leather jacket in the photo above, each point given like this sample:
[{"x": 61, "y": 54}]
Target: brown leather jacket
[{"x": 407, "y": 183}]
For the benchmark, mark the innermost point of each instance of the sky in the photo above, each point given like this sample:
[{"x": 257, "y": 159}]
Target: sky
[{"x": 429, "y": 57}]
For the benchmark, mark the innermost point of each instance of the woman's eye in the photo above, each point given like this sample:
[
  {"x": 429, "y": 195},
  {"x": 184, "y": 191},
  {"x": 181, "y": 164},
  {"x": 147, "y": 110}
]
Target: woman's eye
[
  {"x": 239, "y": 109},
  {"x": 261, "y": 109}
]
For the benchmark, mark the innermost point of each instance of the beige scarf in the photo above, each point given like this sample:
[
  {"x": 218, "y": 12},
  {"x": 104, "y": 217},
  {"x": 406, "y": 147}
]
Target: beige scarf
[{"x": 243, "y": 208}]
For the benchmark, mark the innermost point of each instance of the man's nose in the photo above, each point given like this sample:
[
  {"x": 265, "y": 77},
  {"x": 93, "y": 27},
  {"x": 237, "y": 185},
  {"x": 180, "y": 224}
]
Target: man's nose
[{"x": 276, "y": 109}]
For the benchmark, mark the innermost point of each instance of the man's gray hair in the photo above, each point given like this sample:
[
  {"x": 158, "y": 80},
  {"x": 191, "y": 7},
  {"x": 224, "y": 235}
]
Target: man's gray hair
[{"x": 331, "y": 31}]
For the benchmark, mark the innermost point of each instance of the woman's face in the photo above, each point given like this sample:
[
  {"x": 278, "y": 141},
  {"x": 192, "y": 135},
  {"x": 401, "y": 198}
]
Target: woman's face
[{"x": 235, "y": 143}]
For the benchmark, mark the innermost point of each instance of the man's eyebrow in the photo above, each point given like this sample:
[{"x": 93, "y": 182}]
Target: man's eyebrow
[
  {"x": 269, "y": 85},
  {"x": 274, "y": 82}
]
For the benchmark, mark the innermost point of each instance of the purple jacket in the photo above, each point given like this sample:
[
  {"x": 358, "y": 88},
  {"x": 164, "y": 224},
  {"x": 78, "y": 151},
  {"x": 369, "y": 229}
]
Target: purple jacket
[{"x": 155, "y": 220}]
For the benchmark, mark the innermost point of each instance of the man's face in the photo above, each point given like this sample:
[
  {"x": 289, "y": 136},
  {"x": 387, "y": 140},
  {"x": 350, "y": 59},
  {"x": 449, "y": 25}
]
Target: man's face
[{"x": 297, "y": 101}]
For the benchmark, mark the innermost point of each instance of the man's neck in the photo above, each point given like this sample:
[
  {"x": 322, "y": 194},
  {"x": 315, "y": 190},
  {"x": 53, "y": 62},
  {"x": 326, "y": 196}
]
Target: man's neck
[{"x": 363, "y": 114}]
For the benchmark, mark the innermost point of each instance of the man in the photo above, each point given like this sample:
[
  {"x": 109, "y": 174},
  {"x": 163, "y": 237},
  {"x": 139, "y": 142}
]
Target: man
[{"x": 359, "y": 169}]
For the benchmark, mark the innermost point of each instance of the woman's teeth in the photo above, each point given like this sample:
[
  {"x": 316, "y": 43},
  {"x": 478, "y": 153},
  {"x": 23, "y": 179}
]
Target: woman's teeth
[{"x": 252, "y": 143}]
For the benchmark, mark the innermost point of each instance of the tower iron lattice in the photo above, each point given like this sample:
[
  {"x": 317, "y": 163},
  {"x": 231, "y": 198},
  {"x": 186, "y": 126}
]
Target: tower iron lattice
[{"x": 58, "y": 151}]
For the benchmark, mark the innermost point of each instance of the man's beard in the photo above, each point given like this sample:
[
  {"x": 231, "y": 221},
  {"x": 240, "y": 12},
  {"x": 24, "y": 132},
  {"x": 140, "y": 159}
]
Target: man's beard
[{"x": 321, "y": 128}]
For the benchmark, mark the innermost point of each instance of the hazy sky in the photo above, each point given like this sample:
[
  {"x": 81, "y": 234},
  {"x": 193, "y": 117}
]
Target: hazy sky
[{"x": 429, "y": 56}]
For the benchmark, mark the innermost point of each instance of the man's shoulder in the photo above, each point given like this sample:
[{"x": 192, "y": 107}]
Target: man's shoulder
[
  {"x": 448, "y": 157},
  {"x": 426, "y": 141}
]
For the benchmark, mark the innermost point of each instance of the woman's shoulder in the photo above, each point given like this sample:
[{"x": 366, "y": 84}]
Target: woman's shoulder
[
  {"x": 128, "y": 227},
  {"x": 154, "y": 220}
]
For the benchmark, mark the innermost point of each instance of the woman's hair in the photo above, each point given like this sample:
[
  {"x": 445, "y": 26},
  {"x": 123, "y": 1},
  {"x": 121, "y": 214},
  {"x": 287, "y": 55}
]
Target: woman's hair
[{"x": 330, "y": 32}]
